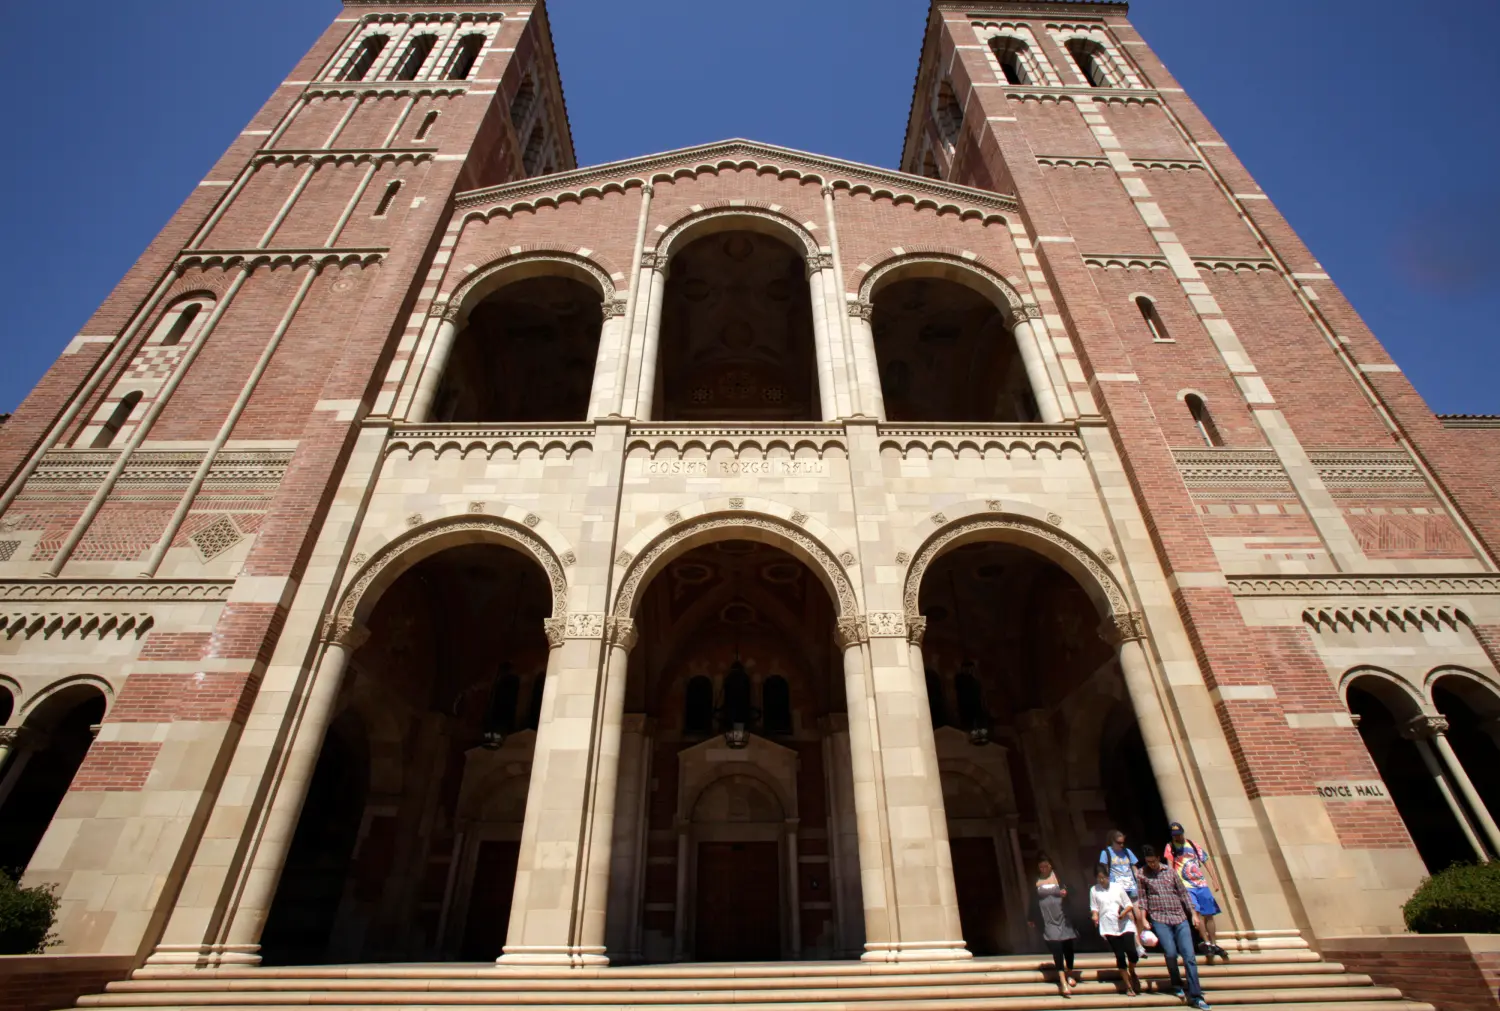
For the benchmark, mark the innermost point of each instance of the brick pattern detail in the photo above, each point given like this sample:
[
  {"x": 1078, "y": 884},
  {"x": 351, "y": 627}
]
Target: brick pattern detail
[
  {"x": 115, "y": 767},
  {"x": 1453, "y": 981},
  {"x": 175, "y": 646},
  {"x": 47, "y": 982}
]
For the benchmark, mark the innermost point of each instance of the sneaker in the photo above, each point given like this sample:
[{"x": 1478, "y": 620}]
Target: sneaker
[
  {"x": 1220, "y": 952},
  {"x": 1176, "y": 991},
  {"x": 1199, "y": 1003}
]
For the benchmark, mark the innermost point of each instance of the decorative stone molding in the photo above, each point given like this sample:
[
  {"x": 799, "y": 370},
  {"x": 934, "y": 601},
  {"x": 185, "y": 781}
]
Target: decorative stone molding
[
  {"x": 43, "y": 591},
  {"x": 1424, "y": 727},
  {"x": 615, "y": 308},
  {"x": 1088, "y": 565},
  {"x": 72, "y": 625},
  {"x": 886, "y": 624},
  {"x": 916, "y": 628},
  {"x": 862, "y": 310},
  {"x": 736, "y": 503},
  {"x": 460, "y": 298},
  {"x": 585, "y": 626},
  {"x": 619, "y": 632},
  {"x": 850, "y": 631},
  {"x": 556, "y": 630},
  {"x": 651, "y": 260},
  {"x": 1416, "y": 618},
  {"x": 1124, "y": 627},
  {"x": 503, "y": 442},
  {"x": 1031, "y": 310},
  {"x": 408, "y": 547},
  {"x": 232, "y": 470},
  {"x": 1370, "y": 586},
  {"x": 819, "y": 261},
  {"x": 799, "y": 518},
  {"x": 811, "y": 550},
  {"x": 945, "y": 262},
  {"x": 669, "y": 240}
]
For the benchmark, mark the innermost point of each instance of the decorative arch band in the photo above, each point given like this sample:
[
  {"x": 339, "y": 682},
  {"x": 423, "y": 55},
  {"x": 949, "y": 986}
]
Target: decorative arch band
[
  {"x": 946, "y": 264},
  {"x": 532, "y": 264}
]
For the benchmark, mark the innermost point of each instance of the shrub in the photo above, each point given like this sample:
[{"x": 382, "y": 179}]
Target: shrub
[
  {"x": 1464, "y": 899},
  {"x": 26, "y": 918}
]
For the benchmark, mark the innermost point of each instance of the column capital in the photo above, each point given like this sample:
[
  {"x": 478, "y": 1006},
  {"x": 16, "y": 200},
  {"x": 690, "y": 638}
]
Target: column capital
[
  {"x": 648, "y": 188},
  {"x": 19, "y": 737},
  {"x": 851, "y": 631},
  {"x": 343, "y": 631},
  {"x": 557, "y": 631},
  {"x": 620, "y": 632},
  {"x": 653, "y": 260},
  {"x": 1122, "y": 627},
  {"x": 916, "y": 628},
  {"x": 1425, "y": 727},
  {"x": 827, "y": 190},
  {"x": 862, "y": 310},
  {"x": 819, "y": 261}
]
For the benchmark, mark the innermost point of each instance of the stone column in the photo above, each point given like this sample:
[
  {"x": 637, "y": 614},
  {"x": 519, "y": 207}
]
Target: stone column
[
  {"x": 627, "y": 861},
  {"x": 793, "y": 888},
  {"x": 1129, "y": 631},
  {"x": 1430, "y": 735},
  {"x": 242, "y": 938},
  {"x": 866, "y": 363},
  {"x": 641, "y": 390},
  {"x": 562, "y": 874},
  {"x": 843, "y": 835},
  {"x": 679, "y": 908},
  {"x": 877, "y": 884},
  {"x": 436, "y": 364},
  {"x": 923, "y": 900},
  {"x": 17, "y": 745},
  {"x": 609, "y": 363},
  {"x": 823, "y": 342},
  {"x": 1028, "y": 343}
]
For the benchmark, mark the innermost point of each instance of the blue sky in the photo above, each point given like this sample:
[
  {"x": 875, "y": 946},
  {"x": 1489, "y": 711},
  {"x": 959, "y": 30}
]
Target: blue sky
[{"x": 1370, "y": 123}]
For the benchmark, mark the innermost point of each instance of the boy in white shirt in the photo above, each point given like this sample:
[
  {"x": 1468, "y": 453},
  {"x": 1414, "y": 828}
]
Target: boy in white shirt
[{"x": 1114, "y": 915}]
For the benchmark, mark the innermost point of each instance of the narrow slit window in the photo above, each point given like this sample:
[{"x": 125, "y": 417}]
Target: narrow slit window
[
  {"x": 364, "y": 58},
  {"x": 1154, "y": 324},
  {"x": 1008, "y": 51},
  {"x": 416, "y": 56},
  {"x": 117, "y": 419},
  {"x": 1090, "y": 59},
  {"x": 387, "y": 198},
  {"x": 182, "y": 324},
  {"x": 427, "y": 124},
  {"x": 464, "y": 57},
  {"x": 1203, "y": 421}
]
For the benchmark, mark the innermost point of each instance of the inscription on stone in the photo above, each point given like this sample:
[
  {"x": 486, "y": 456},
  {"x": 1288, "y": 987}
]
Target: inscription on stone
[
  {"x": 1361, "y": 790},
  {"x": 737, "y": 468}
]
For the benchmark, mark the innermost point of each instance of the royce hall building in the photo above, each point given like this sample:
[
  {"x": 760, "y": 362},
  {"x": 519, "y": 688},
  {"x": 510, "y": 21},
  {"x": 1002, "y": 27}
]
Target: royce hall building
[{"x": 436, "y": 552}]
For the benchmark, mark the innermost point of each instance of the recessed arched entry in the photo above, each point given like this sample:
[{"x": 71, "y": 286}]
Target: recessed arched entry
[
  {"x": 1022, "y": 646},
  {"x": 734, "y": 834},
  {"x": 56, "y": 730},
  {"x": 1471, "y": 706},
  {"x": 411, "y": 853}
]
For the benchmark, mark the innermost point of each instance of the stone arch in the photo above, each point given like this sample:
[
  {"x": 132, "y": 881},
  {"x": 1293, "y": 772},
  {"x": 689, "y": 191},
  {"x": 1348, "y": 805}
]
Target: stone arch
[
  {"x": 25, "y": 710},
  {"x": 675, "y": 535},
  {"x": 724, "y": 774},
  {"x": 1394, "y": 692},
  {"x": 1478, "y": 691},
  {"x": 519, "y": 267},
  {"x": 723, "y": 219},
  {"x": 947, "y": 267},
  {"x": 402, "y": 553},
  {"x": 11, "y": 685},
  {"x": 998, "y": 521}
]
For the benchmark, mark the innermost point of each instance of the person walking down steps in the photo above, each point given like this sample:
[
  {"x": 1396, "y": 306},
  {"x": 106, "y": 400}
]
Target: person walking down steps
[
  {"x": 1190, "y": 862},
  {"x": 1114, "y": 915},
  {"x": 1047, "y": 909},
  {"x": 1173, "y": 918},
  {"x": 1122, "y": 864}
]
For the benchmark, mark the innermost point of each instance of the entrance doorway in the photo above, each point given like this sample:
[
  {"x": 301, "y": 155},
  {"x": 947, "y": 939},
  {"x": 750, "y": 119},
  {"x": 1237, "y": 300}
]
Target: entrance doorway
[{"x": 743, "y": 880}]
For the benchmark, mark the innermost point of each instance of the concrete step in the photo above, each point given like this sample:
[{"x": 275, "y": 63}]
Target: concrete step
[{"x": 1374, "y": 999}]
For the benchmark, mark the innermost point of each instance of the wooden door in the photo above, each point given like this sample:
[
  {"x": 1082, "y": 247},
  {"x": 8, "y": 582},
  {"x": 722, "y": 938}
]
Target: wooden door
[
  {"x": 739, "y": 902},
  {"x": 981, "y": 902},
  {"x": 489, "y": 899}
]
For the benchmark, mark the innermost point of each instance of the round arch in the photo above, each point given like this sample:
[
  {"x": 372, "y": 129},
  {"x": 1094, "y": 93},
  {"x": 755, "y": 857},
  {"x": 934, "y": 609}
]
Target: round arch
[
  {"x": 721, "y": 774},
  {"x": 1478, "y": 692},
  {"x": 1392, "y": 691},
  {"x": 26, "y": 710},
  {"x": 947, "y": 267},
  {"x": 724, "y": 219},
  {"x": 520, "y": 267},
  {"x": 679, "y": 535},
  {"x": 377, "y": 575},
  {"x": 1039, "y": 535}
]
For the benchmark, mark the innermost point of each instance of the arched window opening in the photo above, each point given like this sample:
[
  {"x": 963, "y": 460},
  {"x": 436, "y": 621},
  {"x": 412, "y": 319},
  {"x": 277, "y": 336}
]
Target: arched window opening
[
  {"x": 1045, "y": 731},
  {"x": 464, "y": 57},
  {"x": 117, "y": 418},
  {"x": 427, "y": 698},
  {"x": 737, "y": 711},
  {"x": 937, "y": 701},
  {"x": 181, "y": 324},
  {"x": 1153, "y": 321},
  {"x": 415, "y": 57},
  {"x": 930, "y": 167},
  {"x": 531, "y": 158},
  {"x": 1009, "y": 52},
  {"x": 387, "y": 198},
  {"x": 1202, "y": 420},
  {"x": 698, "y": 707},
  {"x": 520, "y": 106},
  {"x": 776, "y": 697},
  {"x": 428, "y": 122},
  {"x": 1091, "y": 61},
  {"x": 949, "y": 114},
  {"x": 364, "y": 58},
  {"x": 1407, "y": 763},
  {"x": 736, "y": 333},
  {"x": 41, "y": 768},
  {"x": 946, "y": 353},
  {"x": 1473, "y": 713},
  {"x": 7, "y": 705},
  {"x": 526, "y": 355}
]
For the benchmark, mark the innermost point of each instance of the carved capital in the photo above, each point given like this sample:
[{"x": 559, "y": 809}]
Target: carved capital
[
  {"x": 862, "y": 310},
  {"x": 819, "y": 261},
  {"x": 648, "y": 189},
  {"x": 557, "y": 631},
  {"x": 1030, "y": 310},
  {"x": 916, "y": 628},
  {"x": 18, "y": 737},
  {"x": 447, "y": 310},
  {"x": 850, "y": 632},
  {"x": 652, "y": 260},
  {"x": 620, "y": 632},
  {"x": 341, "y": 630},
  {"x": 1123, "y": 627},
  {"x": 827, "y": 189},
  {"x": 1424, "y": 727}
]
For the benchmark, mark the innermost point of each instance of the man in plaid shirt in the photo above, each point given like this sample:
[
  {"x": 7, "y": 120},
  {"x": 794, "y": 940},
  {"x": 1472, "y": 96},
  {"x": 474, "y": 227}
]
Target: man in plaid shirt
[{"x": 1172, "y": 919}]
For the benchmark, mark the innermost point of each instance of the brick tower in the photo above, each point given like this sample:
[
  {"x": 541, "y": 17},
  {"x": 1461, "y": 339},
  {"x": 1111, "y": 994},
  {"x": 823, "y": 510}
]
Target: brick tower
[{"x": 434, "y": 551}]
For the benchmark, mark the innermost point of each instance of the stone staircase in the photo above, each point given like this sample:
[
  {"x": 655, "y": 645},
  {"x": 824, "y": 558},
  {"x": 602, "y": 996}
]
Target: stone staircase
[{"x": 1288, "y": 980}]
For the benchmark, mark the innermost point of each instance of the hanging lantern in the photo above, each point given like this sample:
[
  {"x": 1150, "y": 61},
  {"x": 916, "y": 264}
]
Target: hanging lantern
[{"x": 736, "y": 712}]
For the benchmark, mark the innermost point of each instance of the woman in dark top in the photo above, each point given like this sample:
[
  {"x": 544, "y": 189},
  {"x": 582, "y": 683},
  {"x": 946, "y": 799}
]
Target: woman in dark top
[{"x": 1047, "y": 909}]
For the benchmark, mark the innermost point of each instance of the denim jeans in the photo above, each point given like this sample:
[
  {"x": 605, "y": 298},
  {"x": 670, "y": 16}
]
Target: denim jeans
[{"x": 1177, "y": 939}]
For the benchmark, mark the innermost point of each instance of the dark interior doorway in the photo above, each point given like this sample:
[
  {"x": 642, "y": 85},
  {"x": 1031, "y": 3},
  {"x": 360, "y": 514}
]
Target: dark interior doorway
[
  {"x": 739, "y": 893},
  {"x": 41, "y": 769}
]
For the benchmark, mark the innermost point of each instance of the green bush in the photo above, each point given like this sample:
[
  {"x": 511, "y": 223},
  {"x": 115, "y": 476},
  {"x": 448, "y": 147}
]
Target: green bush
[
  {"x": 1464, "y": 899},
  {"x": 26, "y": 918}
]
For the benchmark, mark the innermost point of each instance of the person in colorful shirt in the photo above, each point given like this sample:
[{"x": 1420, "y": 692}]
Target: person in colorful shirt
[
  {"x": 1190, "y": 862},
  {"x": 1173, "y": 918}
]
